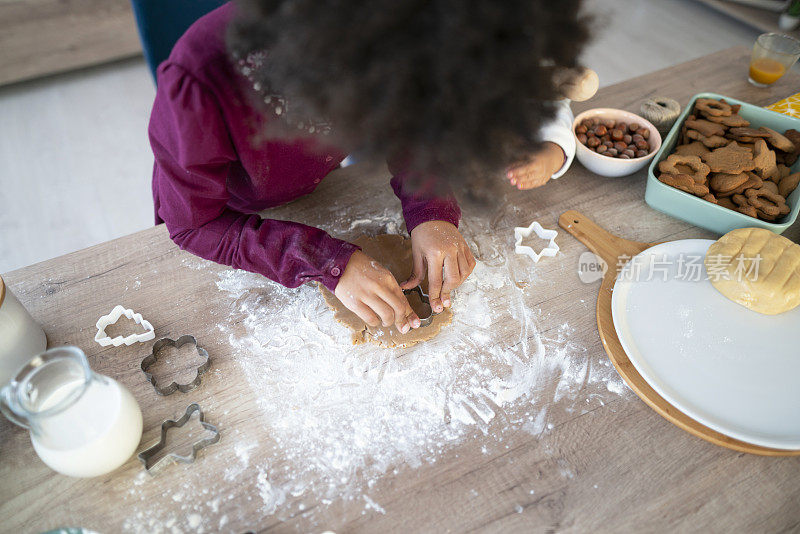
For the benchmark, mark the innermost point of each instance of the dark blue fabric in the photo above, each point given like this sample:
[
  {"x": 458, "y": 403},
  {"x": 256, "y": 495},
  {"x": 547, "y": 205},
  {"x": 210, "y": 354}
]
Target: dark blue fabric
[{"x": 162, "y": 22}]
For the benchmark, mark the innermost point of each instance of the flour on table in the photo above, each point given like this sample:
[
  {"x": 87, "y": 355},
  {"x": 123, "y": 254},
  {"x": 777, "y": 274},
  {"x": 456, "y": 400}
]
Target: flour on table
[{"x": 341, "y": 417}]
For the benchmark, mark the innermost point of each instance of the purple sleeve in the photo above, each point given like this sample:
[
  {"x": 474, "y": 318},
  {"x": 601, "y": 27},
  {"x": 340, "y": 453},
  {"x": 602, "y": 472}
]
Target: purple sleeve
[
  {"x": 193, "y": 154},
  {"x": 421, "y": 206}
]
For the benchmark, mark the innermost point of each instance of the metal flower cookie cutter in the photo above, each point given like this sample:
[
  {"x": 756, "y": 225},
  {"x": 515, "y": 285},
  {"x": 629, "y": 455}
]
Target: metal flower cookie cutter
[
  {"x": 158, "y": 347},
  {"x": 423, "y": 297},
  {"x": 107, "y": 320},
  {"x": 521, "y": 232},
  {"x": 146, "y": 455}
]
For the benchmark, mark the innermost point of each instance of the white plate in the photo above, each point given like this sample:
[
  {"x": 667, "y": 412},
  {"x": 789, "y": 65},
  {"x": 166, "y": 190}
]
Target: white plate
[{"x": 732, "y": 369}]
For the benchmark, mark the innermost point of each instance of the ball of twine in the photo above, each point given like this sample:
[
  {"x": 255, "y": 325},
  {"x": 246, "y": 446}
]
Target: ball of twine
[{"x": 661, "y": 111}]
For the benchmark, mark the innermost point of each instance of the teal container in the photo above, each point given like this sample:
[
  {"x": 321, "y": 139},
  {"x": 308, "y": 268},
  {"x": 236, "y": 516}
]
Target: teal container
[{"x": 697, "y": 211}]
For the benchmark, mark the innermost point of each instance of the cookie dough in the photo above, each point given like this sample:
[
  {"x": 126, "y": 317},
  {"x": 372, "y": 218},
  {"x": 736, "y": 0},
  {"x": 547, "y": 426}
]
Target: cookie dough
[
  {"x": 394, "y": 252},
  {"x": 772, "y": 288}
]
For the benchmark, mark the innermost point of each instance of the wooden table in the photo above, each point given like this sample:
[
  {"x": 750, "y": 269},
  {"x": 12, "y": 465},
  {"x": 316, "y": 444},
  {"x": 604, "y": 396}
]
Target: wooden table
[{"x": 604, "y": 461}]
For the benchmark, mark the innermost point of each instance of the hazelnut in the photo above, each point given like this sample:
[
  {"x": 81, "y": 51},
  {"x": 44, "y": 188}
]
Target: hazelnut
[
  {"x": 608, "y": 142},
  {"x": 600, "y": 130},
  {"x": 633, "y": 126},
  {"x": 628, "y": 152},
  {"x": 620, "y": 146},
  {"x": 616, "y": 134},
  {"x": 642, "y": 145},
  {"x": 582, "y": 138},
  {"x": 624, "y": 156},
  {"x": 592, "y": 141},
  {"x": 644, "y": 132},
  {"x": 606, "y": 137},
  {"x": 637, "y": 137},
  {"x": 581, "y": 129},
  {"x": 627, "y": 139},
  {"x": 612, "y": 152},
  {"x": 622, "y": 126},
  {"x": 609, "y": 123},
  {"x": 641, "y": 153},
  {"x": 601, "y": 148}
]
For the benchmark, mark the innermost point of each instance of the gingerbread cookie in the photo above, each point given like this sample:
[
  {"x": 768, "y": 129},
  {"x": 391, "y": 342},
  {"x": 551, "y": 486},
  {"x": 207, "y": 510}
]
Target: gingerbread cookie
[
  {"x": 699, "y": 169},
  {"x": 705, "y": 127},
  {"x": 766, "y": 202},
  {"x": 684, "y": 182},
  {"x": 771, "y": 186},
  {"x": 746, "y": 132},
  {"x": 730, "y": 159},
  {"x": 714, "y": 141},
  {"x": 764, "y": 161},
  {"x": 777, "y": 140},
  {"x": 753, "y": 182},
  {"x": 732, "y": 121},
  {"x": 722, "y": 183},
  {"x": 743, "y": 206},
  {"x": 790, "y": 157},
  {"x": 714, "y": 108},
  {"x": 788, "y": 184},
  {"x": 695, "y": 148},
  {"x": 726, "y": 202}
]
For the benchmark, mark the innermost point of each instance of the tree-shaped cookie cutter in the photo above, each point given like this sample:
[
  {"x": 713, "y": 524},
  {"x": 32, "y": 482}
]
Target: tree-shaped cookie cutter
[
  {"x": 107, "y": 320},
  {"x": 146, "y": 455},
  {"x": 423, "y": 321},
  {"x": 158, "y": 346},
  {"x": 521, "y": 232}
]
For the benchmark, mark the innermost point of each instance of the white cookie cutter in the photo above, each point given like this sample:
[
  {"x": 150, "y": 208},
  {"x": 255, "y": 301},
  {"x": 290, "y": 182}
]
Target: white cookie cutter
[
  {"x": 104, "y": 340},
  {"x": 521, "y": 232}
]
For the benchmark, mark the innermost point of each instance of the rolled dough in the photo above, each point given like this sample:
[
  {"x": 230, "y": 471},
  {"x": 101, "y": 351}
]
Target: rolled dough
[
  {"x": 394, "y": 253},
  {"x": 757, "y": 269}
]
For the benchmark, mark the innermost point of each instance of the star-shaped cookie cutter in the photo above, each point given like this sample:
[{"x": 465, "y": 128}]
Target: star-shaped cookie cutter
[
  {"x": 106, "y": 320},
  {"x": 146, "y": 455},
  {"x": 521, "y": 232},
  {"x": 158, "y": 346}
]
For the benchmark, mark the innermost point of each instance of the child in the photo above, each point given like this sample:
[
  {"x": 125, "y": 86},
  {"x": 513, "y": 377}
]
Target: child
[{"x": 250, "y": 92}]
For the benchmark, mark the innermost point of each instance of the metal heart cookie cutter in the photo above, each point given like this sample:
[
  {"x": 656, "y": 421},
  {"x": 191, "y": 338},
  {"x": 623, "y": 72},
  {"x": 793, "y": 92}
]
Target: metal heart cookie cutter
[
  {"x": 423, "y": 297},
  {"x": 146, "y": 455},
  {"x": 158, "y": 346},
  {"x": 106, "y": 320},
  {"x": 521, "y": 232}
]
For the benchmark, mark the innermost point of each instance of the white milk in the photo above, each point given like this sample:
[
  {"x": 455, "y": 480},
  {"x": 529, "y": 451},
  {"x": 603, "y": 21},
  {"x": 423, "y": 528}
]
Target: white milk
[
  {"x": 95, "y": 435},
  {"x": 20, "y": 337}
]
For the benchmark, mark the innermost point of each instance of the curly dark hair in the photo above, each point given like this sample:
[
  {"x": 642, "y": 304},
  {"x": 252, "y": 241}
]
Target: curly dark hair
[{"x": 461, "y": 86}]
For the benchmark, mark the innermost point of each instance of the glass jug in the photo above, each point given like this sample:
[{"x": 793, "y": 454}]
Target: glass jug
[{"x": 82, "y": 424}]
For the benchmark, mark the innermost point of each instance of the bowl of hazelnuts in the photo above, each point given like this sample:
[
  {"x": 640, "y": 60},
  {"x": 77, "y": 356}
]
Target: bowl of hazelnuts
[{"x": 614, "y": 142}]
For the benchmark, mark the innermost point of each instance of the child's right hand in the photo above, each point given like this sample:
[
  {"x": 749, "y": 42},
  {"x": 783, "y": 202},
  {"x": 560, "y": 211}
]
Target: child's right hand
[{"x": 370, "y": 291}]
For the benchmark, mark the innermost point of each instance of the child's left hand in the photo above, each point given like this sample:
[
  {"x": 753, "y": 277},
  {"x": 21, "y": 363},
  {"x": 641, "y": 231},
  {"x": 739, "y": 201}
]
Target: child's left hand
[
  {"x": 439, "y": 246},
  {"x": 538, "y": 169}
]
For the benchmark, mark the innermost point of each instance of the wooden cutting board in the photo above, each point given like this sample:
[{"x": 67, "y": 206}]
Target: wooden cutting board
[{"x": 610, "y": 248}]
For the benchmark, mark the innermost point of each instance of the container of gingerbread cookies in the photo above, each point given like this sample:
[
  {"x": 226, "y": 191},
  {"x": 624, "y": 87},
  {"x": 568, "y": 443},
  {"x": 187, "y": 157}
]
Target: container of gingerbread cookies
[{"x": 727, "y": 164}]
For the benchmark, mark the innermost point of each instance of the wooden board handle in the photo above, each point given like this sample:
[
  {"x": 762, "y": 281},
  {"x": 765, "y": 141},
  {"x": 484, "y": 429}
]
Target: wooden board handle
[{"x": 603, "y": 243}]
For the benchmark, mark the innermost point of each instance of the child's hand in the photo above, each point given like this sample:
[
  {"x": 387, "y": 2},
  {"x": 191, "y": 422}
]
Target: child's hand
[
  {"x": 439, "y": 246},
  {"x": 370, "y": 291},
  {"x": 538, "y": 170}
]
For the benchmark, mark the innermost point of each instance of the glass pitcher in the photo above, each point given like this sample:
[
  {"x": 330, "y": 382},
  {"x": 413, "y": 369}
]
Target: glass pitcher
[{"x": 82, "y": 423}]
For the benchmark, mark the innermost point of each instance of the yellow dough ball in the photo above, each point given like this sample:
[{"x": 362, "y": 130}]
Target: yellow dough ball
[{"x": 757, "y": 269}]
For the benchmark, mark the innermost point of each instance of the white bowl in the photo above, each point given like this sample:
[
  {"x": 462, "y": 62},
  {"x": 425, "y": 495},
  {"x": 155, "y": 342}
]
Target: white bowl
[{"x": 606, "y": 165}]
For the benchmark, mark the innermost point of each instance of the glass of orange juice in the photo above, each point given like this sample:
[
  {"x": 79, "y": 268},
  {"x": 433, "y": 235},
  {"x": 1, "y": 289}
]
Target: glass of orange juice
[{"x": 773, "y": 55}]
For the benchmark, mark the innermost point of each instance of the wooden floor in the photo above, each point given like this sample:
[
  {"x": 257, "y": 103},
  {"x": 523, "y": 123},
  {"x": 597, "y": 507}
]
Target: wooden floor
[
  {"x": 75, "y": 162},
  {"x": 42, "y": 37}
]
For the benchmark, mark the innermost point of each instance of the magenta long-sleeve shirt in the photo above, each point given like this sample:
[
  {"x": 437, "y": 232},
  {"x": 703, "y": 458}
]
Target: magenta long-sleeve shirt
[{"x": 212, "y": 173}]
